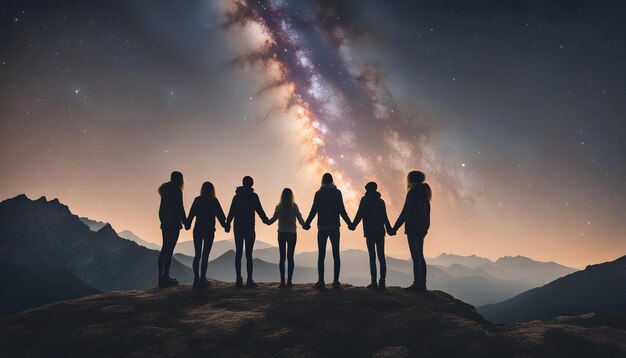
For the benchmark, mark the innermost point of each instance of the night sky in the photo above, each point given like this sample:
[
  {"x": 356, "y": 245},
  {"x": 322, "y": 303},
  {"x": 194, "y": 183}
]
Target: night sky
[{"x": 515, "y": 110}]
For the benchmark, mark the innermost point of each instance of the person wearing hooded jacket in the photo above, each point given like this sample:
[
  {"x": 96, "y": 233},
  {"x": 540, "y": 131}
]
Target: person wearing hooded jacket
[
  {"x": 243, "y": 208},
  {"x": 172, "y": 217},
  {"x": 373, "y": 212},
  {"x": 328, "y": 206},
  {"x": 415, "y": 217}
]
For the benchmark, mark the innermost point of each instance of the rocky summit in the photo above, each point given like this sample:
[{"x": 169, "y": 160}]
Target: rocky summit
[{"x": 297, "y": 322}]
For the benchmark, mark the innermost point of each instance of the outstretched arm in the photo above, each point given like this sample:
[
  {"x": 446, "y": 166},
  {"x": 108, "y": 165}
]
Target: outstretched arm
[
  {"x": 299, "y": 217},
  {"x": 192, "y": 214},
  {"x": 409, "y": 206},
  {"x": 274, "y": 217},
  {"x": 388, "y": 227},
  {"x": 220, "y": 214},
  {"x": 313, "y": 211},
  {"x": 343, "y": 212},
  {"x": 181, "y": 208},
  {"x": 358, "y": 216},
  {"x": 231, "y": 211},
  {"x": 259, "y": 209}
]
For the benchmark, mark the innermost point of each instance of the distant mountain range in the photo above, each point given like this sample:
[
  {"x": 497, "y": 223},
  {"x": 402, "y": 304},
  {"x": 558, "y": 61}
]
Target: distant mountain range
[
  {"x": 49, "y": 254},
  {"x": 597, "y": 288}
]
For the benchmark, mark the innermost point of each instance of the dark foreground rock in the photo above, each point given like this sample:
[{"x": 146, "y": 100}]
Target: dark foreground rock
[{"x": 267, "y": 321}]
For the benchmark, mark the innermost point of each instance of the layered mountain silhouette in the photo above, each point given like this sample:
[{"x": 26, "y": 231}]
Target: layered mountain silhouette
[
  {"x": 219, "y": 247},
  {"x": 55, "y": 256},
  {"x": 95, "y": 225},
  {"x": 220, "y": 321},
  {"x": 597, "y": 288}
]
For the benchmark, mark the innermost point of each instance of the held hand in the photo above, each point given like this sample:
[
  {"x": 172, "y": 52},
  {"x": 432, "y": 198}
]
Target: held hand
[
  {"x": 227, "y": 228},
  {"x": 187, "y": 226},
  {"x": 306, "y": 226},
  {"x": 351, "y": 227}
]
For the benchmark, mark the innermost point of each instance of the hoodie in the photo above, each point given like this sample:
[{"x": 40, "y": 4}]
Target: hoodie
[
  {"x": 245, "y": 203},
  {"x": 373, "y": 212},
  {"x": 328, "y": 206},
  {"x": 171, "y": 210}
]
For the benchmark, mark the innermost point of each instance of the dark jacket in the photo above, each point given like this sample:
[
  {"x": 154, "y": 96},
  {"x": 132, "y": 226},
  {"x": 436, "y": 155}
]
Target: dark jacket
[
  {"x": 205, "y": 210},
  {"x": 415, "y": 214},
  {"x": 245, "y": 203},
  {"x": 171, "y": 210},
  {"x": 373, "y": 211},
  {"x": 328, "y": 206}
]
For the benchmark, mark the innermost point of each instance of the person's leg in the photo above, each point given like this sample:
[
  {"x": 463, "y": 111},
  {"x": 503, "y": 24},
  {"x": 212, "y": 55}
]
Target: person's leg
[
  {"x": 371, "y": 250},
  {"x": 423, "y": 269},
  {"x": 249, "y": 239},
  {"x": 197, "y": 245},
  {"x": 322, "y": 236},
  {"x": 238, "y": 254},
  {"x": 161, "y": 260},
  {"x": 206, "y": 250},
  {"x": 380, "y": 250},
  {"x": 171, "y": 244},
  {"x": 415, "y": 257},
  {"x": 291, "y": 248},
  {"x": 282, "y": 243},
  {"x": 334, "y": 241}
]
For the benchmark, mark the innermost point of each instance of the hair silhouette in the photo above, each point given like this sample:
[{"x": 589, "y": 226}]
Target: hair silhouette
[
  {"x": 177, "y": 178},
  {"x": 247, "y": 181},
  {"x": 286, "y": 203},
  {"x": 207, "y": 190},
  {"x": 416, "y": 177},
  {"x": 327, "y": 178}
]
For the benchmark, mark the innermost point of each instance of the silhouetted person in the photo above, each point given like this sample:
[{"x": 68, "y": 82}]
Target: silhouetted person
[
  {"x": 172, "y": 216},
  {"x": 373, "y": 211},
  {"x": 243, "y": 208},
  {"x": 205, "y": 209},
  {"x": 415, "y": 216},
  {"x": 286, "y": 213},
  {"x": 328, "y": 206}
]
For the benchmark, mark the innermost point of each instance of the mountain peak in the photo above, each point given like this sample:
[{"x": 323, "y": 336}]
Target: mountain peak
[{"x": 107, "y": 229}]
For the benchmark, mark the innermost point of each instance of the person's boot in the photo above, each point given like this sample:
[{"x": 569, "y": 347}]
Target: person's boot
[
  {"x": 239, "y": 282},
  {"x": 205, "y": 282},
  {"x": 171, "y": 281},
  {"x": 282, "y": 283},
  {"x": 250, "y": 283},
  {"x": 289, "y": 283},
  {"x": 373, "y": 285},
  {"x": 196, "y": 283},
  {"x": 382, "y": 285},
  {"x": 336, "y": 284},
  {"x": 417, "y": 287},
  {"x": 162, "y": 282},
  {"x": 320, "y": 285}
]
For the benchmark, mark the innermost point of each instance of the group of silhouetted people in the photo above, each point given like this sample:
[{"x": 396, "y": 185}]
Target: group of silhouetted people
[{"x": 327, "y": 205}]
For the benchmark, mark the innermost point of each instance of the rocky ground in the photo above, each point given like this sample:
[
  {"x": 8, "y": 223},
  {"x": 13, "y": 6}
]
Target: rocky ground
[{"x": 301, "y": 322}]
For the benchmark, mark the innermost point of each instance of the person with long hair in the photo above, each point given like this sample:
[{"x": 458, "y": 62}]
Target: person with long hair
[
  {"x": 286, "y": 213},
  {"x": 415, "y": 217},
  {"x": 172, "y": 217},
  {"x": 328, "y": 206},
  {"x": 205, "y": 209}
]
